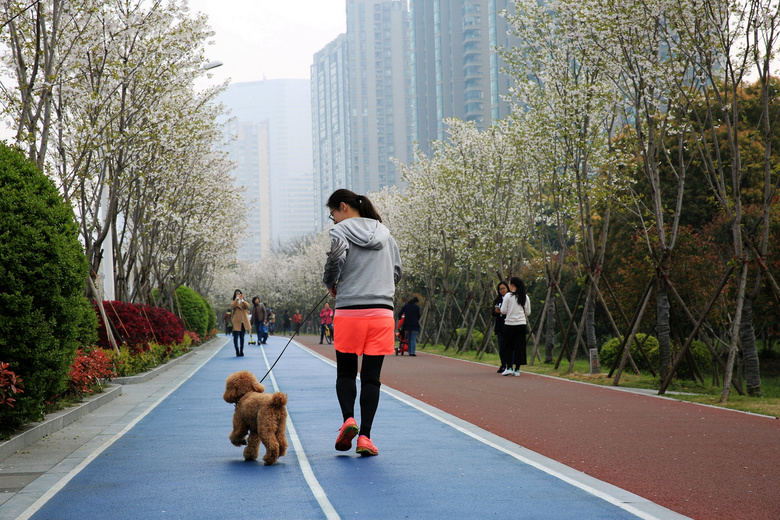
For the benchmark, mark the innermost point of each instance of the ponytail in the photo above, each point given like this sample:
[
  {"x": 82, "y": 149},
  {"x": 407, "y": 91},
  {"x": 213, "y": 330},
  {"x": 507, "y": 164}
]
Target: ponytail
[
  {"x": 361, "y": 203},
  {"x": 519, "y": 289}
]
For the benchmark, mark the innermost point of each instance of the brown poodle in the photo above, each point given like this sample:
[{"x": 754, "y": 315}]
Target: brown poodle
[{"x": 263, "y": 416}]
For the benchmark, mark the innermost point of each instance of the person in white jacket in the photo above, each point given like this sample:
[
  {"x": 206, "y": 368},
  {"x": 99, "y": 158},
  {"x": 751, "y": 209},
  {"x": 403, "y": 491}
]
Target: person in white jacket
[{"x": 516, "y": 307}]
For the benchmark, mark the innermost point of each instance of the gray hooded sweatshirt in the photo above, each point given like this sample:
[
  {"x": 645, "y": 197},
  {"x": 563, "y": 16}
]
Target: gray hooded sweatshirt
[{"x": 363, "y": 262}]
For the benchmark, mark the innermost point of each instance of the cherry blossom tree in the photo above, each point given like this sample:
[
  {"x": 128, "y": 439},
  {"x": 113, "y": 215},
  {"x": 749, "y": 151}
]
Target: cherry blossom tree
[
  {"x": 633, "y": 46},
  {"x": 467, "y": 219},
  {"x": 726, "y": 42},
  {"x": 135, "y": 150},
  {"x": 566, "y": 108}
]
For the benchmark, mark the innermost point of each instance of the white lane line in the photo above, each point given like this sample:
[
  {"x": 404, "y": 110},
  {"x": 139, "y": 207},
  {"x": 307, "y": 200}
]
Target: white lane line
[
  {"x": 92, "y": 456},
  {"x": 628, "y": 503},
  {"x": 303, "y": 461}
]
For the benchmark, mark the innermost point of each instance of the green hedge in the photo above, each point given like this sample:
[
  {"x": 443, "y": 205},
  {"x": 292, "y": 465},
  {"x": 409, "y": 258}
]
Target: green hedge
[
  {"x": 609, "y": 351},
  {"x": 476, "y": 336},
  {"x": 701, "y": 354},
  {"x": 195, "y": 310},
  {"x": 44, "y": 315},
  {"x": 212, "y": 316}
]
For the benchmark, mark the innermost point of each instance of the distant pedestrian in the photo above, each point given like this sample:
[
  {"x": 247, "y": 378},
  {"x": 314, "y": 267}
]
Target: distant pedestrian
[
  {"x": 228, "y": 324},
  {"x": 240, "y": 320},
  {"x": 297, "y": 320},
  {"x": 286, "y": 323},
  {"x": 271, "y": 322},
  {"x": 259, "y": 320},
  {"x": 516, "y": 307},
  {"x": 326, "y": 320},
  {"x": 498, "y": 329},
  {"x": 411, "y": 325},
  {"x": 361, "y": 271}
]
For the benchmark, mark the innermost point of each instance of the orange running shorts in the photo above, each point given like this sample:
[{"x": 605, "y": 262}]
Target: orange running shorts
[{"x": 364, "y": 331}]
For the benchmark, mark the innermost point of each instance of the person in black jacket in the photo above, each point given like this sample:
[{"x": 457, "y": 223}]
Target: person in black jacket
[
  {"x": 502, "y": 289},
  {"x": 411, "y": 314}
]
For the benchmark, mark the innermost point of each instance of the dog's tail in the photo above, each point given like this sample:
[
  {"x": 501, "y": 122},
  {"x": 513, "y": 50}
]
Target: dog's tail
[{"x": 278, "y": 400}]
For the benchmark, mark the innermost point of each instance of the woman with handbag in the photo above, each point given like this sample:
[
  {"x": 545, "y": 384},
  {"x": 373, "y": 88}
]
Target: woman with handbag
[{"x": 516, "y": 307}]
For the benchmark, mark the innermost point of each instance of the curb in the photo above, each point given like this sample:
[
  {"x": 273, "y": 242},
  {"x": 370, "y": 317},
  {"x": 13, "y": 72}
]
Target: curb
[
  {"x": 56, "y": 421},
  {"x": 151, "y": 374}
]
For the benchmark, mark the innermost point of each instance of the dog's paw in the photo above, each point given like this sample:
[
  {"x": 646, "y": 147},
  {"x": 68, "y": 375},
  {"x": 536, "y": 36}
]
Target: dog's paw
[{"x": 238, "y": 442}]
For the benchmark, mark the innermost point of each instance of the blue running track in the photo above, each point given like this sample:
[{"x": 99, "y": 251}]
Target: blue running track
[{"x": 177, "y": 462}]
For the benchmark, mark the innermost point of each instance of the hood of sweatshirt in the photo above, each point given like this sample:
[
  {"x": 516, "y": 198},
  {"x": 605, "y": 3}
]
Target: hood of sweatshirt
[{"x": 364, "y": 232}]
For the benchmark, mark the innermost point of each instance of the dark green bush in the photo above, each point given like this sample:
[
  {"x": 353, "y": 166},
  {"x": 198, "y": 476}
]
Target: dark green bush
[
  {"x": 43, "y": 311},
  {"x": 194, "y": 309},
  {"x": 476, "y": 336},
  {"x": 701, "y": 355},
  {"x": 609, "y": 351},
  {"x": 212, "y": 316}
]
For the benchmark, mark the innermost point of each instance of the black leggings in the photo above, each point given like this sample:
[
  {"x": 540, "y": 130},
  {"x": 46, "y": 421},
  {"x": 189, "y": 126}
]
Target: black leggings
[{"x": 346, "y": 387}]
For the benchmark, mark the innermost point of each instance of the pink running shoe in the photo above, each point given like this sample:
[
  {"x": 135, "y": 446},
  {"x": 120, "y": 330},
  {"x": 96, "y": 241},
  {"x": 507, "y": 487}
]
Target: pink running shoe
[
  {"x": 347, "y": 432},
  {"x": 366, "y": 447}
]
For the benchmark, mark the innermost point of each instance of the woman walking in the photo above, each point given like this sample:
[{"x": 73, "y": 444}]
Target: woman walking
[
  {"x": 516, "y": 307},
  {"x": 361, "y": 271},
  {"x": 240, "y": 320}
]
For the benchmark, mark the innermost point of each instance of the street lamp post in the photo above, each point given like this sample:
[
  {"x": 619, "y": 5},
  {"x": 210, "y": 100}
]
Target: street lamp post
[{"x": 212, "y": 65}]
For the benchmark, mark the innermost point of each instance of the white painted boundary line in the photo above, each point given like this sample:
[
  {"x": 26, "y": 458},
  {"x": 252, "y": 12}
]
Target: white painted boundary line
[
  {"x": 75, "y": 471},
  {"x": 634, "y": 504},
  {"x": 303, "y": 461}
]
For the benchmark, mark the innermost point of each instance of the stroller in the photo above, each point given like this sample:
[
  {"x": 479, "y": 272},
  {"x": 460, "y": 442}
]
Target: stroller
[{"x": 403, "y": 345}]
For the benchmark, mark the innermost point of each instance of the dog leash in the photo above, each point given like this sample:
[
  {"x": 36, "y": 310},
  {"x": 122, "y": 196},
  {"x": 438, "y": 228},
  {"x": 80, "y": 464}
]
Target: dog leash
[{"x": 294, "y": 334}]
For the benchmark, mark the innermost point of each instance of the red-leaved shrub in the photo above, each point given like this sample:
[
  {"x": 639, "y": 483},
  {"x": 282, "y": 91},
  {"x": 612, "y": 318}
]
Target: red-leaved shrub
[
  {"x": 137, "y": 325},
  {"x": 89, "y": 368},
  {"x": 10, "y": 384}
]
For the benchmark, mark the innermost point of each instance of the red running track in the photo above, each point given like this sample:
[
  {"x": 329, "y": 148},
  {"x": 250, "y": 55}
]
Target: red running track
[{"x": 700, "y": 461}]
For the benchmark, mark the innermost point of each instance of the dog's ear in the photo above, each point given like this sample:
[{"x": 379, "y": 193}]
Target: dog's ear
[
  {"x": 230, "y": 395},
  {"x": 258, "y": 387}
]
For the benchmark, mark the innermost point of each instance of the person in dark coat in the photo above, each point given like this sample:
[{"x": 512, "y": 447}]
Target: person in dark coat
[
  {"x": 502, "y": 289},
  {"x": 411, "y": 326},
  {"x": 259, "y": 320}
]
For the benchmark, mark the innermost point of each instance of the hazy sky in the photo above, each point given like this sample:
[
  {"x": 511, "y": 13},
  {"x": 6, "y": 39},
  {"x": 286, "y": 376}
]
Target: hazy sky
[{"x": 271, "y": 38}]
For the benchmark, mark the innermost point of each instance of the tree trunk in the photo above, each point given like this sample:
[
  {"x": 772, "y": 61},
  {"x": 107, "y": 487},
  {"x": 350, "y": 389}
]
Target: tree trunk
[
  {"x": 664, "y": 330},
  {"x": 549, "y": 338},
  {"x": 747, "y": 338},
  {"x": 590, "y": 320},
  {"x": 729, "y": 373}
]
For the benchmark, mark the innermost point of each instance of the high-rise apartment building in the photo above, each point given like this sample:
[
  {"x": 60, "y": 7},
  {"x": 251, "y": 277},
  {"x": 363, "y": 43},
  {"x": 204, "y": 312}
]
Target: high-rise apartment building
[
  {"x": 248, "y": 149},
  {"x": 361, "y": 111},
  {"x": 271, "y": 145},
  {"x": 456, "y": 71},
  {"x": 331, "y": 120},
  {"x": 379, "y": 91},
  {"x": 393, "y": 79}
]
